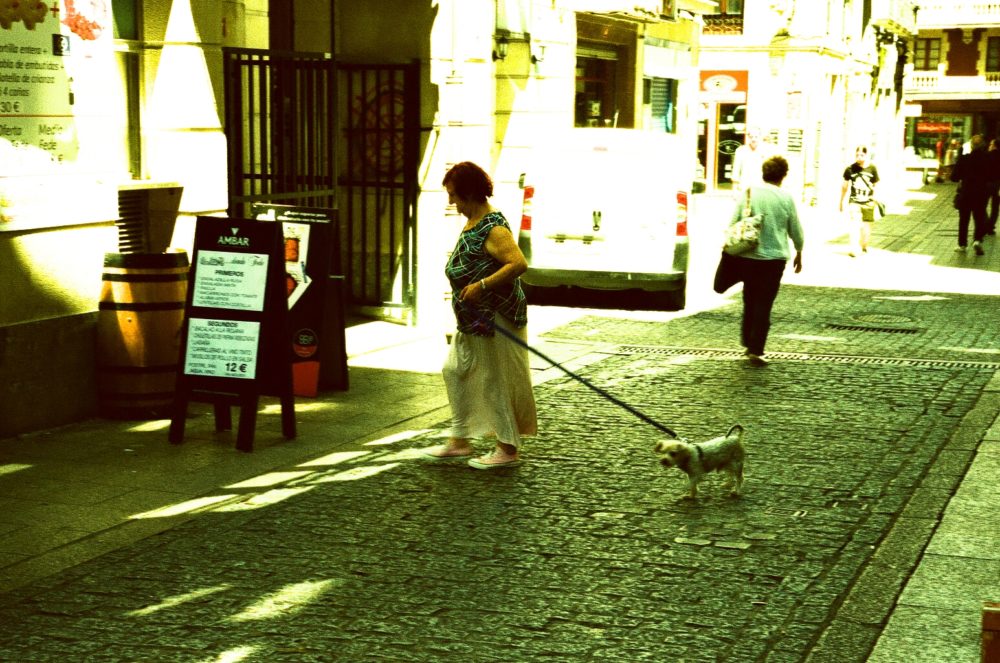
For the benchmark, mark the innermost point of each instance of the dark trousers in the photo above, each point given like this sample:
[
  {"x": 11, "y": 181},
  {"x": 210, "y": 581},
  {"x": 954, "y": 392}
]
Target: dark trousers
[
  {"x": 977, "y": 210},
  {"x": 991, "y": 225},
  {"x": 761, "y": 280}
]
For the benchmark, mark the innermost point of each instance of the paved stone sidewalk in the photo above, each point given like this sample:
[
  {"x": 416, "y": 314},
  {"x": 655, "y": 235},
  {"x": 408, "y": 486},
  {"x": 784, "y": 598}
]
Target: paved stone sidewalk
[{"x": 583, "y": 553}]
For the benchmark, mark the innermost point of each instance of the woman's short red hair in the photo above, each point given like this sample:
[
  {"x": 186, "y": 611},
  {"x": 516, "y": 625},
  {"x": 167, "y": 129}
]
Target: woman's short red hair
[{"x": 469, "y": 182}]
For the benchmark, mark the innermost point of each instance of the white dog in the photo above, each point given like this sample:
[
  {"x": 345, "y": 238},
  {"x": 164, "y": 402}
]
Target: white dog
[{"x": 721, "y": 454}]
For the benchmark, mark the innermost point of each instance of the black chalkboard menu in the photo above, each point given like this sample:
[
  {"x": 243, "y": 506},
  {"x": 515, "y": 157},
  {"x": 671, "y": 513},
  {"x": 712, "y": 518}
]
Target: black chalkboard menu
[{"x": 233, "y": 341}]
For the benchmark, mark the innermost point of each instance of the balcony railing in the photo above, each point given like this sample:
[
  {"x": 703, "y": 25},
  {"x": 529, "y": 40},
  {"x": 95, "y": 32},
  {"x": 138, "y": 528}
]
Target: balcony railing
[
  {"x": 936, "y": 14},
  {"x": 719, "y": 24},
  {"x": 933, "y": 84},
  {"x": 895, "y": 16}
]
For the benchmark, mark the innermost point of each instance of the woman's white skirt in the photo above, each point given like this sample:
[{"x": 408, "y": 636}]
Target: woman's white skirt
[{"x": 489, "y": 386}]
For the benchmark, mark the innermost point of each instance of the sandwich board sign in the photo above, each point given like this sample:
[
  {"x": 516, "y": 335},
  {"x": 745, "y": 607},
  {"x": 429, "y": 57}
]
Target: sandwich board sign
[
  {"x": 315, "y": 318},
  {"x": 233, "y": 339}
]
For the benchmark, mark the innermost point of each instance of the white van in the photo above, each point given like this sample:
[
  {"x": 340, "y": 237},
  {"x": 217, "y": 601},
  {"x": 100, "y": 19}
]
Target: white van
[{"x": 604, "y": 222}]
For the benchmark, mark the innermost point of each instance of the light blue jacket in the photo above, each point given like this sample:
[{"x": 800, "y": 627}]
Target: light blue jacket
[{"x": 781, "y": 222}]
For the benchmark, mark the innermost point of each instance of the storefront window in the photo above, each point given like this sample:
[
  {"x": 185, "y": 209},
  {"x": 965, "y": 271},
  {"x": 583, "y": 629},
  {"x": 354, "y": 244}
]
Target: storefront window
[
  {"x": 605, "y": 93},
  {"x": 933, "y": 135},
  {"x": 732, "y": 133},
  {"x": 596, "y": 88}
]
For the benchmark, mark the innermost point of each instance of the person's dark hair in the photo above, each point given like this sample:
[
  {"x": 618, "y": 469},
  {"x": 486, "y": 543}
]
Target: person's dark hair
[
  {"x": 469, "y": 182},
  {"x": 774, "y": 170}
]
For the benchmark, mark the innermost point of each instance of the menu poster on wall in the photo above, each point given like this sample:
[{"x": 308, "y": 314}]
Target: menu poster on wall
[{"x": 57, "y": 75}]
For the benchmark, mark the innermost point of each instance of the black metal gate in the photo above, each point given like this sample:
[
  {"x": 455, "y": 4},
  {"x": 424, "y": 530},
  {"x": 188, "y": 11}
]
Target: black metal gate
[
  {"x": 380, "y": 107},
  {"x": 281, "y": 130}
]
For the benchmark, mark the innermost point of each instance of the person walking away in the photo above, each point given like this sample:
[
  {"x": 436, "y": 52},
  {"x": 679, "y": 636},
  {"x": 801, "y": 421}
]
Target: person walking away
[
  {"x": 994, "y": 153},
  {"x": 747, "y": 161},
  {"x": 761, "y": 269},
  {"x": 486, "y": 375},
  {"x": 860, "y": 179},
  {"x": 972, "y": 172}
]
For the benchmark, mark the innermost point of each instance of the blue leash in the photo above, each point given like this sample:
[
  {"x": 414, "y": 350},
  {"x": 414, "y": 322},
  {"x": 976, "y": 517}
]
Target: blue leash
[{"x": 582, "y": 380}]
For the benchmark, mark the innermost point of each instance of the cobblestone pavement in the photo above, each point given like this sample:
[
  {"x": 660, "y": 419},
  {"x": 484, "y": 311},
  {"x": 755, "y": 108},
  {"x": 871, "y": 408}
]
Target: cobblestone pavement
[
  {"x": 859, "y": 435},
  {"x": 584, "y": 552}
]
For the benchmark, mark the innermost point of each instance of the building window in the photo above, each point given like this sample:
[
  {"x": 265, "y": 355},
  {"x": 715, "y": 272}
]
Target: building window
[
  {"x": 726, "y": 20},
  {"x": 128, "y": 56},
  {"x": 993, "y": 54},
  {"x": 926, "y": 54},
  {"x": 125, "y": 14},
  {"x": 596, "y": 87},
  {"x": 730, "y": 7}
]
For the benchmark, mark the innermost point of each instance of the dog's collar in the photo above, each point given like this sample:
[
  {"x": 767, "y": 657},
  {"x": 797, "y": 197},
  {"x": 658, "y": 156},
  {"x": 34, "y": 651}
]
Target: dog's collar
[{"x": 685, "y": 463}]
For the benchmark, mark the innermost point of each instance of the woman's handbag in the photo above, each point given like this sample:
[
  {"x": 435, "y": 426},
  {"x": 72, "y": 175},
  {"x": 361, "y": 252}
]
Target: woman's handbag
[{"x": 744, "y": 235}]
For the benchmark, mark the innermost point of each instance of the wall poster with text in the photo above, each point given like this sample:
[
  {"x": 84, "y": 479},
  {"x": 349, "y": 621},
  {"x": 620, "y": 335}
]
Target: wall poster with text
[{"x": 57, "y": 84}]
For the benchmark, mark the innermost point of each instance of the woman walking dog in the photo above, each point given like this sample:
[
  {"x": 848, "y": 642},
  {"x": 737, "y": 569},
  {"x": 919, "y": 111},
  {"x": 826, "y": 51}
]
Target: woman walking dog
[{"x": 486, "y": 375}]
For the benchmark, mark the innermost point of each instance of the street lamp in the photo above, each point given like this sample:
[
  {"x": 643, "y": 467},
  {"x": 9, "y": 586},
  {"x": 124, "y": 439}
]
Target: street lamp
[
  {"x": 776, "y": 51},
  {"x": 537, "y": 54},
  {"x": 500, "y": 52}
]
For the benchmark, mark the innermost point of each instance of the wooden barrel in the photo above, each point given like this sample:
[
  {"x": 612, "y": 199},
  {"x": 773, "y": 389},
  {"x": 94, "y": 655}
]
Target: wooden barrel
[{"x": 138, "y": 332}]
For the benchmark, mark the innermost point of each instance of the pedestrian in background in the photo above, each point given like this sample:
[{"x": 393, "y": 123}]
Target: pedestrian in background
[
  {"x": 747, "y": 161},
  {"x": 939, "y": 153},
  {"x": 951, "y": 155},
  {"x": 762, "y": 268},
  {"x": 994, "y": 153},
  {"x": 486, "y": 375},
  {"x": 973, "y": 173},
  {"x": 860, "y": 179}
]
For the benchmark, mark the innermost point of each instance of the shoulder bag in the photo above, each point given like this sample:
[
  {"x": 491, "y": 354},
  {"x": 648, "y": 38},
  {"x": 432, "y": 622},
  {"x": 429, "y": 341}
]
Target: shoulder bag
[{"x": 744, "y": 235}]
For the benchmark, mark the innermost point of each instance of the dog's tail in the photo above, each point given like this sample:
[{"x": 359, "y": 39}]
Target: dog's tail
[{"x": 738, "y": 429}]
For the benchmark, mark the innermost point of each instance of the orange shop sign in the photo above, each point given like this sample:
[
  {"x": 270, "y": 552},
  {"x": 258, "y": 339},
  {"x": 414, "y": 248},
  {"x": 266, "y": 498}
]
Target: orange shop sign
[
  {"x": 724, "y": 86},
  {"x": 933, "y": 127}
]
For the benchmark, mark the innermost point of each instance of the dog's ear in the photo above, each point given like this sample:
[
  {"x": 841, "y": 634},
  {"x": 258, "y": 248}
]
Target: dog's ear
[{"x": 735, "y": 428}]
